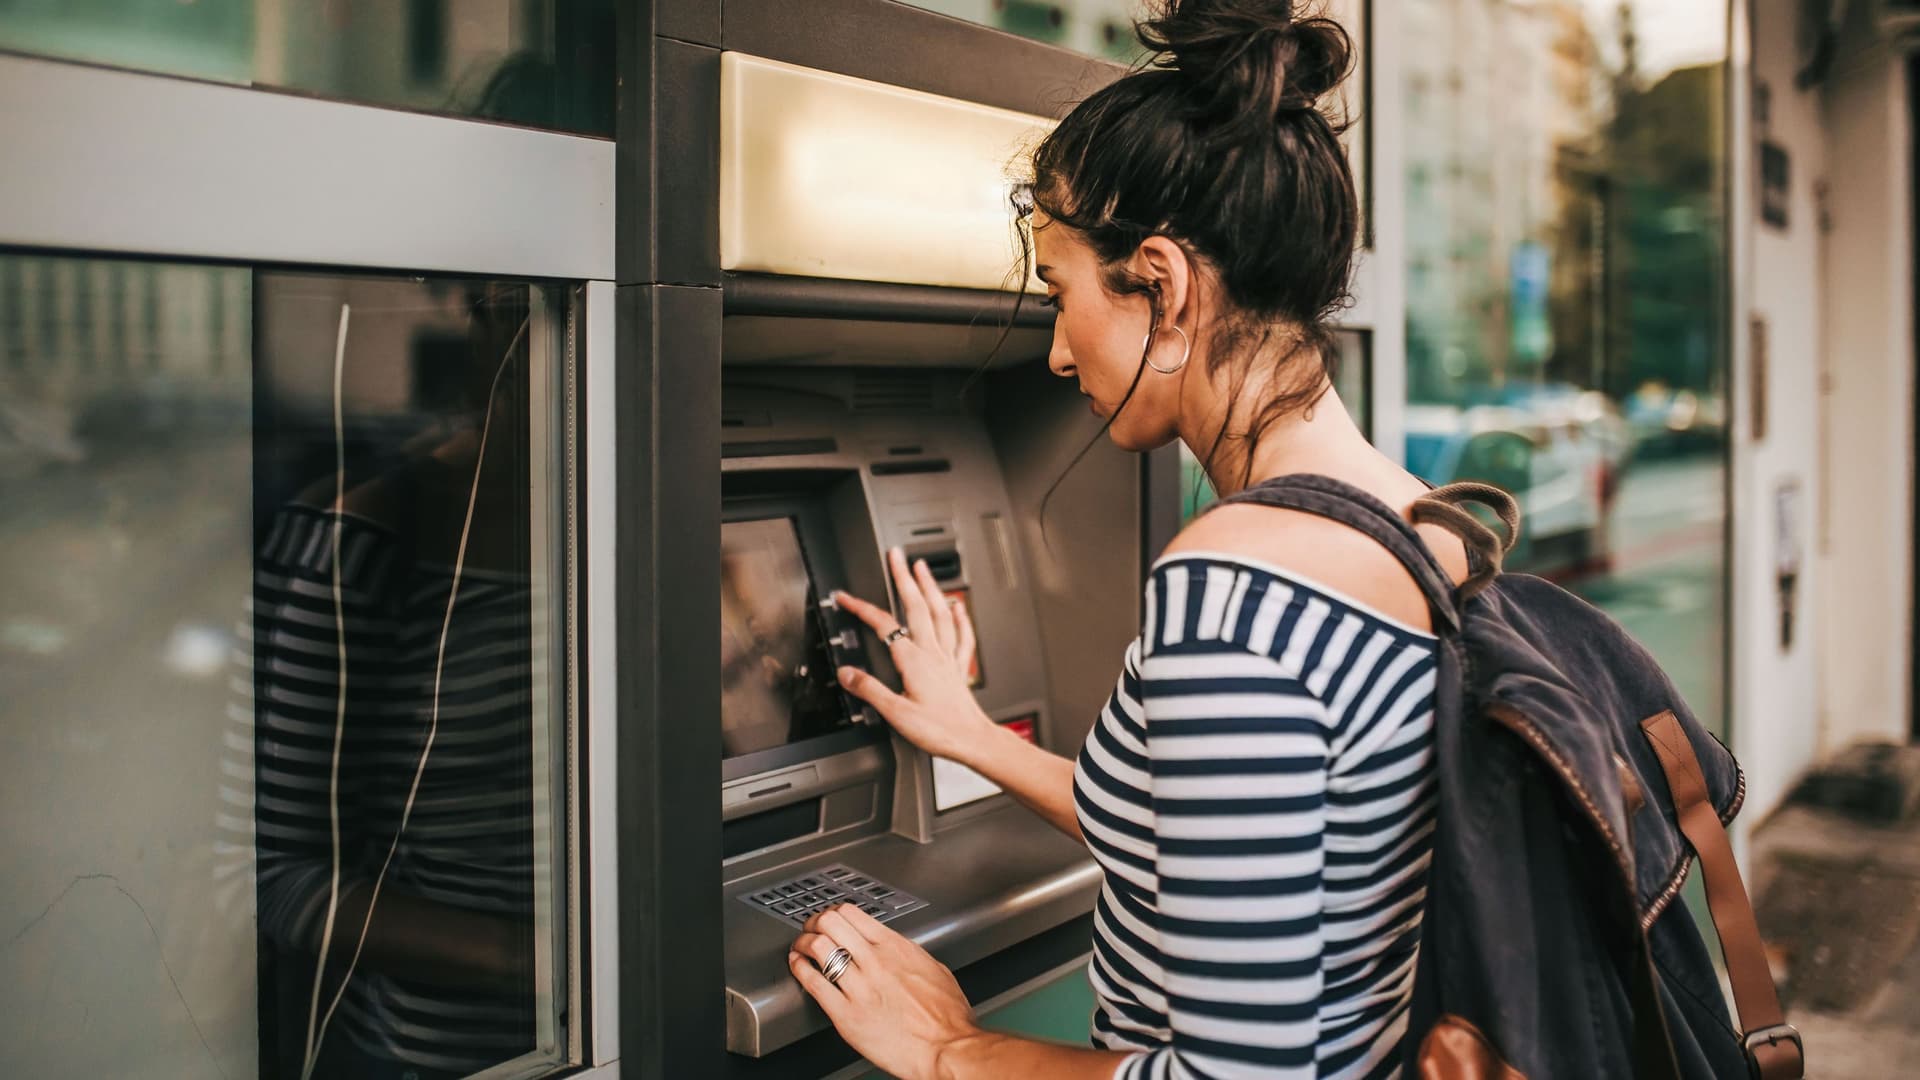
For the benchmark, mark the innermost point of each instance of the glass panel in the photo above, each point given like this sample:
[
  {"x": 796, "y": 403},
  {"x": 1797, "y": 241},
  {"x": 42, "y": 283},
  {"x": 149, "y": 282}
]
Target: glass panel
[
  {"x": 540, "y": 63},
  {"x": 1351, "y": 380},
  {"x": 280, "y": 631},
  {"x": 1567, "y": 296},
  {"x": 1104, "y": 28}
]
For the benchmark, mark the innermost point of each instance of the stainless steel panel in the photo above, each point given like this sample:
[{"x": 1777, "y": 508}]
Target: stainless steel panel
[
  {"x": 196, "y": 170},
  {"x": 991, "y": 884}
]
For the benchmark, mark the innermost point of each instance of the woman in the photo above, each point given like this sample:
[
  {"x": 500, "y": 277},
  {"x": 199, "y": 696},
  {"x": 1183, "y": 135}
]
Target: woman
[{"x": 1258, "y": 791}]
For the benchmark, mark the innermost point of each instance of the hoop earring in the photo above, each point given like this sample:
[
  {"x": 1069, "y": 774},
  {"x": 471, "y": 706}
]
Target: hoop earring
[{"x": 1186, "y": 351}]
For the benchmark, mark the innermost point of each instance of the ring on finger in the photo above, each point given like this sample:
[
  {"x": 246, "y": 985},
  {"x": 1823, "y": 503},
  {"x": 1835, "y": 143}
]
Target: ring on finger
[
  {"x": 838, "y": 961},
  {"x": 898, "y": 633}
]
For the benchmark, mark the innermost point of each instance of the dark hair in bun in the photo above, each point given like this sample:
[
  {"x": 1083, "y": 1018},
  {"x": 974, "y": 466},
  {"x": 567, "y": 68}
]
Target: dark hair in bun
[
  {"x": 1221, "y": 144},
  {"x": 1248, "y": 60}
]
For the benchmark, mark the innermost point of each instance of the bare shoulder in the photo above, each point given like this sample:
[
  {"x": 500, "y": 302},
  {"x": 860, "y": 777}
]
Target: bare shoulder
[{"x": 1317, "y": 551}]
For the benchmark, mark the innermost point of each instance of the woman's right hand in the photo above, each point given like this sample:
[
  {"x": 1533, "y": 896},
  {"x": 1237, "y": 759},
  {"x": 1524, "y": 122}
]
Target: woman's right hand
[{"x": 935, "y": 709}]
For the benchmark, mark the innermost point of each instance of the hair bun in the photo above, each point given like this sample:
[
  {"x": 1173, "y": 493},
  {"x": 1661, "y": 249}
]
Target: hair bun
[{"x": 1249, "y": 58}]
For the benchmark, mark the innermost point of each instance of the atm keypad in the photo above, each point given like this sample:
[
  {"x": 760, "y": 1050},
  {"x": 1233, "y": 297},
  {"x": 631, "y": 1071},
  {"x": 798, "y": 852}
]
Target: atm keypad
[{"x": 796, "y": 900}]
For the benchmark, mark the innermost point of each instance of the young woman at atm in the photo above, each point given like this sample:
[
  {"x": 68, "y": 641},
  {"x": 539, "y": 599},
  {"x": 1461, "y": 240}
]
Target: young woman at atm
[{"x": 1259, "y": 789}]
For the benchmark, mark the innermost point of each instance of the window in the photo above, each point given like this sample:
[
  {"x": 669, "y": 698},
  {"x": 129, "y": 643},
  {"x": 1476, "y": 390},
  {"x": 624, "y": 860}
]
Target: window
[
  {"x": 1575, "y": 351},
  {"x": 538, "y": 63},
  {"x": 284, "y": 629}
]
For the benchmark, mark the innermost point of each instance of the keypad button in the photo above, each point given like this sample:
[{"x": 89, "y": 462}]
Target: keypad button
[{"x": 800, "y": 898}]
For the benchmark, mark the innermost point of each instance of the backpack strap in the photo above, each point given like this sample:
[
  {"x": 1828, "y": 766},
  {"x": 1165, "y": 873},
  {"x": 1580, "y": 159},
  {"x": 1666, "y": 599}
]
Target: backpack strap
[
  {"x": 1774, "y": 1050},
  {"x": 1356, "y": 509},
  {"x": 1486, "y": 550}
]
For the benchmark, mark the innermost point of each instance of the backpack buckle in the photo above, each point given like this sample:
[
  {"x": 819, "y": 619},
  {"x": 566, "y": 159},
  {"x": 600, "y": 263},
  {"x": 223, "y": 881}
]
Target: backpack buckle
[{"x": 1771, "y": 1036}]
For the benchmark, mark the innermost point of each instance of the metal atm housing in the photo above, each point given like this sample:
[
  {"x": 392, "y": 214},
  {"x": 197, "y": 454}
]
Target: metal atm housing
[
  {"x": 810, "y": 408},
  {"x": 861, "y": 455}
]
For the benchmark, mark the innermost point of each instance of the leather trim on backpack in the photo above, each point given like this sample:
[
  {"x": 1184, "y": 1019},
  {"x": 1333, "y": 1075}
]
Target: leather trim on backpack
[
  {"x": 1456, "y": 1050},
  {"x": 1678, "y": 880},
  {"x": 1774, "y": 1050}
]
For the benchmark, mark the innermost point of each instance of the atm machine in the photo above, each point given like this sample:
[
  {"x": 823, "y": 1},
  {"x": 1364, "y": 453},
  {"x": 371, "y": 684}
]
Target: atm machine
[
  {"x": 856, "y": 416},
  {"x": 821, "y": 804}
]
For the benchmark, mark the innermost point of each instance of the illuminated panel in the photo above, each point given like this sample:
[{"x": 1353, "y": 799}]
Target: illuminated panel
[
  {"x": 827, "y": 176},
  {"x": 956, "y": 785}
]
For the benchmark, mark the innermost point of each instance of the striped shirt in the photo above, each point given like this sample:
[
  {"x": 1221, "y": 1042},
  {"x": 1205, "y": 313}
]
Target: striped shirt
[
  {"x": 468, "y": 844},
  {"x": 1259, "y": 793}
]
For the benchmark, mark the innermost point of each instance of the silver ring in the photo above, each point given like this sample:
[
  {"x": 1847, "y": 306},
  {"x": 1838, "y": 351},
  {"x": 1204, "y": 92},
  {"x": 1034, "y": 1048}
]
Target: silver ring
[
  {"x": 898, "y": 633},
  {"x": 838, "y": 961}
]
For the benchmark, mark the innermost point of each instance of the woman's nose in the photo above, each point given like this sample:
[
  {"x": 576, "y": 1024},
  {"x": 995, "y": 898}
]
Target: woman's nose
[{"x": 1060, "y": 358}]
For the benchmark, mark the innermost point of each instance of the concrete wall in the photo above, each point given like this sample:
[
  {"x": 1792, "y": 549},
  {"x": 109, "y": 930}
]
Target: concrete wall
[
  {"x": 1866, "y": 626},
  {"x": 1775, "y": 689}
]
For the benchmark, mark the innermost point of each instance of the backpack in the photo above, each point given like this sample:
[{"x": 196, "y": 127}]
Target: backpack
[{"x": 1575, "y": 789}]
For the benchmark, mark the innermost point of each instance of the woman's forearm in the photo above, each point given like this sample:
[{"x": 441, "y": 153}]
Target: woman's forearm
[
  {"x": 1040, "y": 781},
  {"x": 430, "y": 942},
  {"x": 989, "y": 1055}
]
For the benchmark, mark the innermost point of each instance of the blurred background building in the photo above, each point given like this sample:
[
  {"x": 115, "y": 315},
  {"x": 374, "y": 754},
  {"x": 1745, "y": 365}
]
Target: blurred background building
[{"x": 1649, "y": 264}]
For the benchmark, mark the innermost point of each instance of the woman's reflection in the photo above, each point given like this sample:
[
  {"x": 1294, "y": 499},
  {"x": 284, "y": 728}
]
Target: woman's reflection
[{"x": 393, "y": 691}]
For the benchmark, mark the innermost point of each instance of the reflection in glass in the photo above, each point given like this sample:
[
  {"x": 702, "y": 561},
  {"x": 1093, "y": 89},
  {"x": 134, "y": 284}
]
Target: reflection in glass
[
  {"x": 279, "y": 626},
  {"x": 1566, "y": 326},
  {"x": 539, "y": 63}
]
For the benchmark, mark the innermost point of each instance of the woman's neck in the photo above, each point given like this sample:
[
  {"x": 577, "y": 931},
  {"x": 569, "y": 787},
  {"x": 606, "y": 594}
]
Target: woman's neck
[{"x": 1321, "y": 438}]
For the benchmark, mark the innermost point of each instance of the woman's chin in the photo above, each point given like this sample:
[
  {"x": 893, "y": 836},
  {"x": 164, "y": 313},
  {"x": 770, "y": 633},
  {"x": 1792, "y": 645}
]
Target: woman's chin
[{"x": 1127, "y": 437}]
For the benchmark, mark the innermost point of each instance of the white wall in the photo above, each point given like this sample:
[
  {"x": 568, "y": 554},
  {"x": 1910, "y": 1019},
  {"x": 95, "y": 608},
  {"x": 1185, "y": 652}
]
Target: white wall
[
  {"x": 1775, "y": 690},
  {"x": 1866, "y": 634}
]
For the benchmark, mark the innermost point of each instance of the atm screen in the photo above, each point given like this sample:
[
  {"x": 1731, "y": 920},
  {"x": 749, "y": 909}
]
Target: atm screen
[{"x": 777, "y": 678}]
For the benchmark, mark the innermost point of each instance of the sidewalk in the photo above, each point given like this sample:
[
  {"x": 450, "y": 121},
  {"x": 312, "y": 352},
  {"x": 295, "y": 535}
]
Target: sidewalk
[{"x": 1839, "y": 903}]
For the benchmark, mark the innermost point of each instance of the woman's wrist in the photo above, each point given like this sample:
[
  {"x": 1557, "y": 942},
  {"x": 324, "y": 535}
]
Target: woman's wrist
[
  {"x": 984, "y": 744},
  {"x": 960, "y": 1056}
]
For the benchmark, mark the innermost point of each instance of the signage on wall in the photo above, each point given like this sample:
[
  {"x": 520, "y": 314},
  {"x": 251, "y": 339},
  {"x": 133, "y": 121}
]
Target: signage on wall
[
  {"x": 1776, "y": 170},
  {"x": 1787, "y": 548},
  {"x": 1773, "y": 161}
]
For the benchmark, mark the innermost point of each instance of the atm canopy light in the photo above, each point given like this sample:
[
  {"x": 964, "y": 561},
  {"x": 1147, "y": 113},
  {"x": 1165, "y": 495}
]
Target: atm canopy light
[{"x": 827, "y": 176}]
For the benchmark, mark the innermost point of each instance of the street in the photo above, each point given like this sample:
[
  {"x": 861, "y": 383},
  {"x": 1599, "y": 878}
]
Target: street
[{"x": 1667, "y": 584}]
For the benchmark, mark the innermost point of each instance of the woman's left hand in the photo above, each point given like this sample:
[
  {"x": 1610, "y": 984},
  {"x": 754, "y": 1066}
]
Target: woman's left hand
[{"x": 895, "y": 1004}]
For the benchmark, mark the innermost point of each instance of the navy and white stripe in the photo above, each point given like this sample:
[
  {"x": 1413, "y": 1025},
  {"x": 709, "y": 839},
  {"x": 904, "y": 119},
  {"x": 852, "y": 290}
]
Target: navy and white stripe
[
  {"x": 469, "y": 843},
  {"x": 1260, "y": 793}
]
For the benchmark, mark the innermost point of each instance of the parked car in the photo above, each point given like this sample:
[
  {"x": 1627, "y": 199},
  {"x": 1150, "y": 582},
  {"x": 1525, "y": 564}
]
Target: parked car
[
  {"x": 1558, "y": 472},
  {"x": 1668, "y": 422}
]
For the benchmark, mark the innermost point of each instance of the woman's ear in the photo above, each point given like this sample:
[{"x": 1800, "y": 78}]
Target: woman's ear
[{"x": 1165, "y": 266}]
